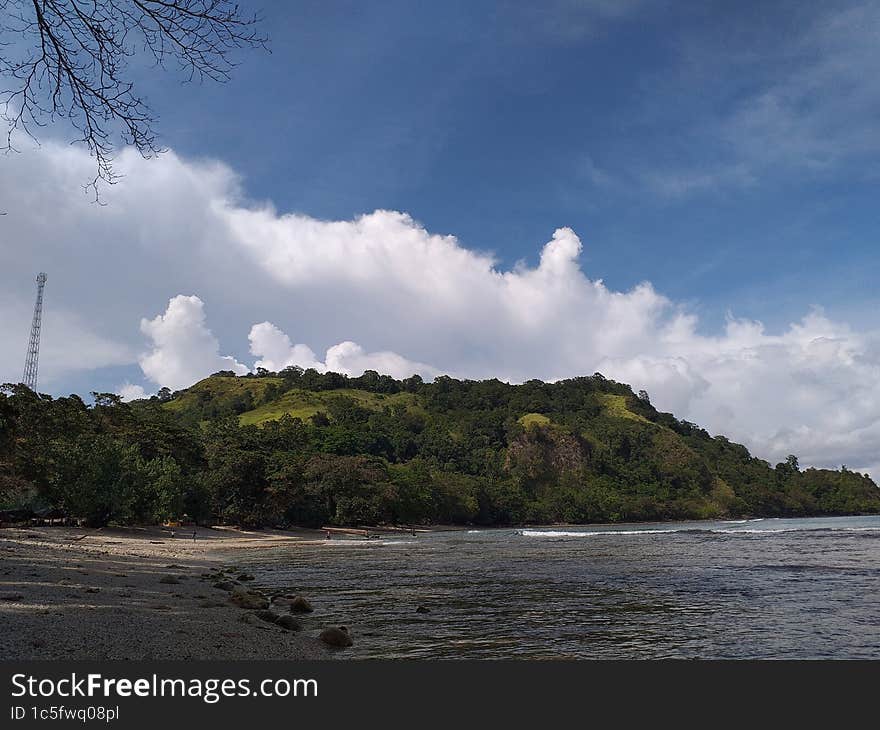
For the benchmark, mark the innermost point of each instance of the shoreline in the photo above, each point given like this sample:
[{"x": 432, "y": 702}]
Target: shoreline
[{"x": 137, "y": 593}]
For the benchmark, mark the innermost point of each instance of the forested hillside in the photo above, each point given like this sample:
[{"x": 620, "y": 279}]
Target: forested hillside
[{"x": 304, "y": 448}]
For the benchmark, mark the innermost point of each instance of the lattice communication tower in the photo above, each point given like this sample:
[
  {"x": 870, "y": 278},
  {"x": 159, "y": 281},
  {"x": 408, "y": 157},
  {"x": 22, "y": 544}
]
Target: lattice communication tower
[{"x": 33, "y": 353}]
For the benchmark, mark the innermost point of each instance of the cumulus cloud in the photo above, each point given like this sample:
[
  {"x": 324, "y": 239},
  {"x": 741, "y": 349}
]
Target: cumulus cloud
[
  {"x": 810, "y": 390},
  {"x": 349, "y": 358},
  {"x": 130, "y": 391},
  {"x": 184, "y": 349},
  {"x": 276, "y": 352},
  {"x": 381, "y": 292}
]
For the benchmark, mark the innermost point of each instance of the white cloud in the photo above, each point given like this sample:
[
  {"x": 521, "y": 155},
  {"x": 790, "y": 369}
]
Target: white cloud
[
  {"x": 412, "y": 300},
  {"x": 129, "y": 392},
  {"x": 350, "y": 358},
  {"x": 184, "y": 349},
  {"x": 276, "y": 352}
]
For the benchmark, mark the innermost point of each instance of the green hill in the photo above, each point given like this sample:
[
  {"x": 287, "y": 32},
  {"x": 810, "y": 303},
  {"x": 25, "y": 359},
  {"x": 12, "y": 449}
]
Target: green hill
[
  {"x": 256, "y": 400},
  {"x": 304, "y": 404},
  {"x": 221, "y": 394},
  {"x": 300, "y": 447}
]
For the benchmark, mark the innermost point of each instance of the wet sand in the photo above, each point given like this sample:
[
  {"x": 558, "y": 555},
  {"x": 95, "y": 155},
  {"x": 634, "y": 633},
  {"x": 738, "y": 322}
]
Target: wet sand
[{"x": 137, "y": 593}]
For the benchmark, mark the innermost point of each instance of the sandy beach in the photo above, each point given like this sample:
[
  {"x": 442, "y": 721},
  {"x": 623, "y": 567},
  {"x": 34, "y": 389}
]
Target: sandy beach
[{"x": 139, "y": 593}]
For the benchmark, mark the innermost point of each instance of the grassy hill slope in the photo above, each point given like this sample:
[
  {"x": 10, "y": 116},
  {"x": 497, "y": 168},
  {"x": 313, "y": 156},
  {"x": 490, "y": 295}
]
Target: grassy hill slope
[{"x": 304, "y": 404}]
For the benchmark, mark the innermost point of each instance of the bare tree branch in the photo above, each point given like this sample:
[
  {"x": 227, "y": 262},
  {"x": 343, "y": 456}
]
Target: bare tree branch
[{"x": 67, "y": 60}]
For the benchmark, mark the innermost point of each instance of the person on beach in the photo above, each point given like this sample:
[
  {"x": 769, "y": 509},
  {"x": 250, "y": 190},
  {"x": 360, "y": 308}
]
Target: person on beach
[
  {"x": 328, "y": 534},
  {"x": 194, "y": 535}
]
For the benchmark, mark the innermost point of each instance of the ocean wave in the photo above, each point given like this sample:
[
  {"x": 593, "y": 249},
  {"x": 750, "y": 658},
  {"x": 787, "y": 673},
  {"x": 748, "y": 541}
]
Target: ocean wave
[
  {"x": 596, "y": 533},
  {"x": 770, "y": 530},
  {"x": 692, "y": 530}
]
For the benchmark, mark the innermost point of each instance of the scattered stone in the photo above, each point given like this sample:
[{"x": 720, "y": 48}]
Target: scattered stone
[
  {"x": 93, "y": 589},
  {"x": 245, "y": 576},
  {"x": 268, "y": 616},
  {"x": 299, "y": 604},
  {"x": 212, "y": 604},
  {"x": 38, "y": 643},
  {"x": 169, "y": 579},
  {"x": 289, "y": 622},
  {"x": 124, "y": 594},
  {"x": 423, "y": 609},
  {"x": 160, "y": 607},
  {"x": 248, "y": 599},
  {"x": 336, "y": 636},
  {"x": 224, "y": 585},
  {"x": 121, "y": 575},
  {"x": 4, "y": 596},
  {"x": 174, "y": 566}
]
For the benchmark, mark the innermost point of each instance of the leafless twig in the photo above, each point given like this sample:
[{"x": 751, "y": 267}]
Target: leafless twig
[{"x": 67, "y": 60}]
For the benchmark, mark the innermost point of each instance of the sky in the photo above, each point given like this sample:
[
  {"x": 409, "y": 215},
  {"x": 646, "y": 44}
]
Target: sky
[{"x": 680, "y": 196}]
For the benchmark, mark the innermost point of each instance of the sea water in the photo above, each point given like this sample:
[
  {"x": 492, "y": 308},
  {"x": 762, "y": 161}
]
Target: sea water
[{"x": 772, "y": 588}]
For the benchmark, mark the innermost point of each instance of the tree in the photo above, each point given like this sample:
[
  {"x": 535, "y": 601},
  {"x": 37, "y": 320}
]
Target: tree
[
  {"x": 350, "y": 487},
  {"x": 67, "y": 60},
  {"x": 236, "y": 480},
  {"x": 292, "y": 373},
  {"x": 455, "y": 451},
  {"x": 789, "y": 467},
  {"x": 96, "y": 478}
]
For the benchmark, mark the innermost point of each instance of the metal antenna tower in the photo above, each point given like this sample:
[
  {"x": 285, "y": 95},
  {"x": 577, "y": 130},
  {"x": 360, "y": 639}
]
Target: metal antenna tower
[{"x": 33, "y": 352}]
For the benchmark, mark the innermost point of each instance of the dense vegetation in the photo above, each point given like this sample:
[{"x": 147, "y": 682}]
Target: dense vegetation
[{"x": 305, "y": 448}]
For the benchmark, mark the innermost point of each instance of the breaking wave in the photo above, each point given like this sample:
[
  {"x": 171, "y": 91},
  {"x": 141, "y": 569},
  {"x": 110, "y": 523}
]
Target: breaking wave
[{"x": 690, "y": 530}]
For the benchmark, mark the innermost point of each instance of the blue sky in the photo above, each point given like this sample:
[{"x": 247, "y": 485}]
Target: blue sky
[
  {"x": 498, "y": 121},
  {"x": 681, "y": 196}
]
